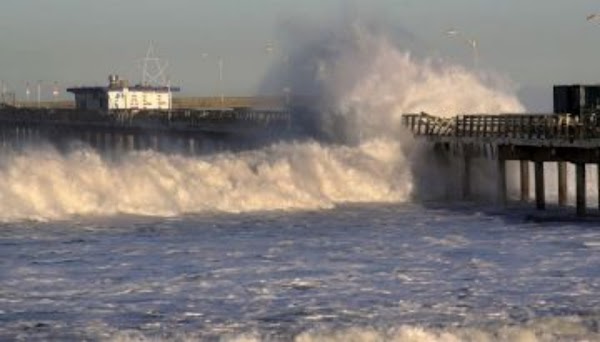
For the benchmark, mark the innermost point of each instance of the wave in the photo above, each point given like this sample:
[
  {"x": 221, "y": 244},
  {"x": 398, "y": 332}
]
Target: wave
[
  {"x": 45, "y": 184},
  {"x": 542, "y": 330},
  {"x": 365, "y": 85}
]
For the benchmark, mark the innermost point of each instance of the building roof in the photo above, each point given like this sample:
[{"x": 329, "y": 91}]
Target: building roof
[{"x": 148, "y": 89}]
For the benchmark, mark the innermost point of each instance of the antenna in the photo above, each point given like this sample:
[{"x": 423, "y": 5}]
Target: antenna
[{"x": 153, "y": 68}]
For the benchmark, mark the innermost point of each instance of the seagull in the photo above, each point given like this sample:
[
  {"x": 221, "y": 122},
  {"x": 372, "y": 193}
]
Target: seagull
[
  {"x": 591, "y": 16},
  {"x": 452, "y": 32}
]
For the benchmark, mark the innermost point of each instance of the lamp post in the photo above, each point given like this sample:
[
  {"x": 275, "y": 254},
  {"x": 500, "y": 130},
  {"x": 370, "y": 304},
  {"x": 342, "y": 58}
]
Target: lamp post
[
  {"x": 220, "y": 68},
  {"x": 39, "y": 93},
  {"x": 27, "y": 92},
  {"x": 55, "y": 91},
  {"x": 221, "y": 64},
  {"x": 472, "y": 42},
  {"x": 3, "y": 92}
]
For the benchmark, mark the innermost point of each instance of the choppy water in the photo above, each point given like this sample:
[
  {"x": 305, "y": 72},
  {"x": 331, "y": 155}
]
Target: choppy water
[
  {"x": 362, "y": 273},
  {"x": 275, "y": 251}
]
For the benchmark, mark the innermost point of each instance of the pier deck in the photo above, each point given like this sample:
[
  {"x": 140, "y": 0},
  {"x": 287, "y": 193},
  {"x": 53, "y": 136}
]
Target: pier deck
[{"x": 537, "y": 138}]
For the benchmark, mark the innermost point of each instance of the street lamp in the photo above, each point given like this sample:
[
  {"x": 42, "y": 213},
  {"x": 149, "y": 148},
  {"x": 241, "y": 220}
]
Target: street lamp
[
  {"x": 27, "y": 92},
  {"x": 470, "y": 41},
  {"x": 220, "y": 66},
  {"x": 39, "y": 94}
]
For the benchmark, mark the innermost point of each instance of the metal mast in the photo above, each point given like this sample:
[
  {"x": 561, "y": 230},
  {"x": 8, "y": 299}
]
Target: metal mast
[{"x": 154, "y": 68}]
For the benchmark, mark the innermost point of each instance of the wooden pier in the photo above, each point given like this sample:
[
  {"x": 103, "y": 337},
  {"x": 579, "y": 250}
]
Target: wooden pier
[
  {"x": 537, "y": 138},
  {"x": 184, "y": 130}
]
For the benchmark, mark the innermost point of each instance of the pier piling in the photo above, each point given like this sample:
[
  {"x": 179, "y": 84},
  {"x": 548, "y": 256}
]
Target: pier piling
[
  {"x": 540, "y": 190},
  {"x": 466, "y": 175},
  {"x": 525, "y": 138},
  {"x": 502, "y": 189},
  {"x": 525, "y": 189},
  {"x": 562, "y": 184},
  {"x": 581, "y": 189}
]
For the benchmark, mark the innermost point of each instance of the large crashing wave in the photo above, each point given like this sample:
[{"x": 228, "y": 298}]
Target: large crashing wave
[
  {"x": 367, "y": 82},
  {"x": 42, "y": 184}
]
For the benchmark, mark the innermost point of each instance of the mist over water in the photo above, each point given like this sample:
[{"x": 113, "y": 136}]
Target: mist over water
[{"x": 364, "y": 85}]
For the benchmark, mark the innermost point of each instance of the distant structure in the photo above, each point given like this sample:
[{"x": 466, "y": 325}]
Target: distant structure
[
  {"x": 119, "y": 96},
  {"x": 577, "y": 99},
  {"x": 154, "y": 93}
]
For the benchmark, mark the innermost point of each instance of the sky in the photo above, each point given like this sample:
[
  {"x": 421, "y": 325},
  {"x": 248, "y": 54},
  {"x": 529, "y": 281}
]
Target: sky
[{"x": 534, "y": 43}]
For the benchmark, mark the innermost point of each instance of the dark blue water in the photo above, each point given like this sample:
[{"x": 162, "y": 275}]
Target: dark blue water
[{"x": 383, "y": 271}]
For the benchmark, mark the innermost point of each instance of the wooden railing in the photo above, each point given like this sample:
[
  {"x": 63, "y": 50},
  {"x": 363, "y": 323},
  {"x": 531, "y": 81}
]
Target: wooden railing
[{"x": 509, "y": 126}]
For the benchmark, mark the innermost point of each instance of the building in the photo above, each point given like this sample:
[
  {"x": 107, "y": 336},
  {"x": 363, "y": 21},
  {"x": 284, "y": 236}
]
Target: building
[
  {"x": 119, "y": 96},
  {"x": 579, "y": 100}
]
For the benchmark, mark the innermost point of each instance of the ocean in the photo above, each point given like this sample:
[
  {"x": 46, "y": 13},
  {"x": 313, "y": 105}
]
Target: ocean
[
  {"x": 352, "y": 233},
  {"x": 376, "y": 272}
]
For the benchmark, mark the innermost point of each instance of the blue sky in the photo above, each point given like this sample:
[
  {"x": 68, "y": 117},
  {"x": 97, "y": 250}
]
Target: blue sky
[{"x": 536, "y": 43}]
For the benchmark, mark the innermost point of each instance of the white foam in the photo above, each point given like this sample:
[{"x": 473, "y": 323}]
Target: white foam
[
  {"x": 546, "y": 330},
  {"x": 43, "y": 184}
]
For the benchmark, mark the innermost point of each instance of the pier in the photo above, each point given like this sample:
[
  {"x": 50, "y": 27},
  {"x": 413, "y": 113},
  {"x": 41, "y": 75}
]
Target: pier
[
  {"x": 525, "y": 138},
  {"x": 190, "y": 131}
]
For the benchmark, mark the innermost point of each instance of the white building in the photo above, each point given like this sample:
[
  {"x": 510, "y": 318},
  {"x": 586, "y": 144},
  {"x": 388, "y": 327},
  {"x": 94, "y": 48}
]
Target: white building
[{"x": 119, "y": 96}]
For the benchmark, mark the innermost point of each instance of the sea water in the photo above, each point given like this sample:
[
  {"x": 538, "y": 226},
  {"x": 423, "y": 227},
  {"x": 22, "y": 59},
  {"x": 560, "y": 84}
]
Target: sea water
[
  {"x": 354, "y": 273},
  {"x": 350, "y": 234}
]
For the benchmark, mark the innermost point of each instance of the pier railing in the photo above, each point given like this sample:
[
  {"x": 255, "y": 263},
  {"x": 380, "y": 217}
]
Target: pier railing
[
  {"x": 176, "y": 120},
  {"x": 532, "y": 127}
]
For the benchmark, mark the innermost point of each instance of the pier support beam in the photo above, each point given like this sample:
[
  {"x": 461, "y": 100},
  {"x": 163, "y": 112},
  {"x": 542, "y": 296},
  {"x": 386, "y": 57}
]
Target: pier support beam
[
  {"x": 540, "y": 190},
  {"x": 501, "y": 185},
  {"x": 525, "y": 189},
  {"x": 118, "y": 143},
  {"x": 191, "y": 146},
  {"x": 598, "y": 182},
  {"x": 581, "y": 195},
  {"x": 107, "y": 142},
  {"x": 130, "y": 142},
  {"x": 562, "y": 184},
  {"x": 154, "y": 143}
]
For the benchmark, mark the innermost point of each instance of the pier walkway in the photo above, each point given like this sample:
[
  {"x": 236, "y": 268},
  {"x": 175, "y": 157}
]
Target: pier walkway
[{"x": 537, "y": 138}]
